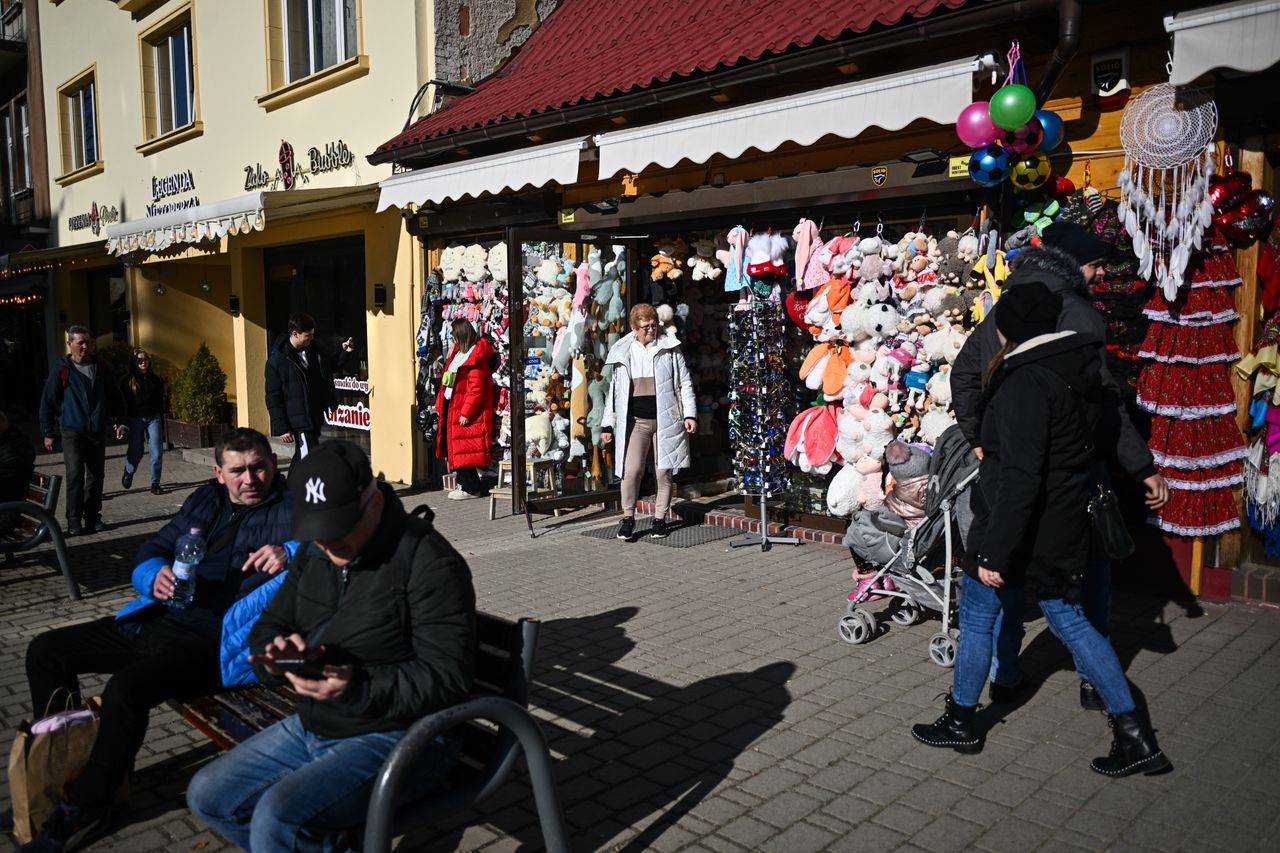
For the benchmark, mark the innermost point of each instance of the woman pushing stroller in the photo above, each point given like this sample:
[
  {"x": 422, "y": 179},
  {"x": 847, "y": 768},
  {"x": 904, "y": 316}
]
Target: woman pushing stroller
[{"x": 1044, "y": 392}]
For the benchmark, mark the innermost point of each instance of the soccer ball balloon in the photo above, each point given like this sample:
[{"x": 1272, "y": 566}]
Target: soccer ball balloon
[
  {"x": 1029, "y": 171},
  {"x": 989, "y": 165},
  {"x": 1024, "y": 139}
]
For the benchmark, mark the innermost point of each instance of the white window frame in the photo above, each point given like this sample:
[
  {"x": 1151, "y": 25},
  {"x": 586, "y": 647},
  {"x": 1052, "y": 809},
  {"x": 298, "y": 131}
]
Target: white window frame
[
  {"x": 342, "y": 50},
  {"x": 164, "y": 45},
  {"x": 79, "y": 154}
]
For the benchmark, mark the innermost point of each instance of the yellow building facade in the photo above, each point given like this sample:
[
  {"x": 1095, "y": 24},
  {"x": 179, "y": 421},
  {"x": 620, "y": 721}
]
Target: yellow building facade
[{"x": 208, "y": 177}]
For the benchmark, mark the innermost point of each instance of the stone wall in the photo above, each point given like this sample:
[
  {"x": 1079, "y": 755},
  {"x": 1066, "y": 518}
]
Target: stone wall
[{"x": 474, "y": 37}]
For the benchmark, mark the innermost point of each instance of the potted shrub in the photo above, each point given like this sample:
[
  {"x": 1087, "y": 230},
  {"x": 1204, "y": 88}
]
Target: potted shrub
[{"x": 198, "y": 398}]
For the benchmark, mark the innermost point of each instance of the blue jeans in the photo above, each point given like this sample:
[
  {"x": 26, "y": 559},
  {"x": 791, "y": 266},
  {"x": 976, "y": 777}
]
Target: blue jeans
[
  {"x": 1095, "y": 600},
  {"x": 149, "y": 429},
  {"x": 288, "y": 789},
  {"x": 980, "y": 605}
]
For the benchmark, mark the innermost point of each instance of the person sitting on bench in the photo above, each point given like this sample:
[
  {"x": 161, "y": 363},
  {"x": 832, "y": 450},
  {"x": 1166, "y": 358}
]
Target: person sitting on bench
[
  {"x": 17, "y": 462},
  {"x": 156, "y": 652},
  {"x": 374, "y": 628}
]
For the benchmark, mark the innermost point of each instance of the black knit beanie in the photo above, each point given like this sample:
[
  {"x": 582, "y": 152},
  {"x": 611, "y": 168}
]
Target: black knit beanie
[
  {"x": 1076, "y": 240},
  {"x": 1027, "y": 311}
]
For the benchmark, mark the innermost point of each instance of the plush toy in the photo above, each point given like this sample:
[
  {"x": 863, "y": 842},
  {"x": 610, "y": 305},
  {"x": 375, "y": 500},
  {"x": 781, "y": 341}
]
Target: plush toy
[
  {"x": 939, "y": 387},
  {"x": 842, "y": 491},
  {"x": 548, "y": 272},
  {"x": 871, "y": 487},
  {"x": 597, "y": 388},
  {"x": 560, "y": 438},
  {"x": 826, "y": 308},
  {"x": 849, "y": 432},
  {"x": 954, "y": 309},
  {"x": 765, "y": 255},
  {"x": 943, "y": 345},
  {"x": 537, "y": 434},
  {"x": 968, "y": 247},
  {"x": 473, "y": 262},
  {"x": 539, "y": 396},
  {"x": 496, "y": 261},
  {"x": 451, "y": 263},
  {"x": 663, "y": 264},
  {"x": 934, "y": 423},
  {"x": 583, "y": 291},
  {"x": 879, "y": 429},
  {"x": 952, "y": 269},
  {"x": 704, "y": 263},
  {"x": 811, "y": 439},
  {"x": 916, "y": 382}
]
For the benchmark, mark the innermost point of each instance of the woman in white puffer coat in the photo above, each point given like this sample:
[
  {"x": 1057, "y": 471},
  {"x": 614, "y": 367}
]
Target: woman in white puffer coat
[{"x": 651, "y": 403}]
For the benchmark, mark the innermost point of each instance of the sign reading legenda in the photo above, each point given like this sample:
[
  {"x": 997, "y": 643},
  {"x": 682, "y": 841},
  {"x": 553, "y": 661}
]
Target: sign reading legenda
[{"x": 175, "y": 184}]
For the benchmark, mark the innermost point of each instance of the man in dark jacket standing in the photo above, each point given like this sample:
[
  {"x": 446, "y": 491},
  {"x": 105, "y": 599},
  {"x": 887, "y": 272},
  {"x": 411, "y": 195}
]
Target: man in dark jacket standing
[
  {"x": 1066, "y": 264},
  {"x": 85, "y": 399},
  {"x": 377, "y": 616},
  {"x": 155, "y": 653},
  {"x": 299, "y": 386}
]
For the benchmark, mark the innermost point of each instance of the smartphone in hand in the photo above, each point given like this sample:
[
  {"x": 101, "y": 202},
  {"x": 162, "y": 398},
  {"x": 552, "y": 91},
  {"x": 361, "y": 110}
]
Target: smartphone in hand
[{"x": 300, "y": 667}]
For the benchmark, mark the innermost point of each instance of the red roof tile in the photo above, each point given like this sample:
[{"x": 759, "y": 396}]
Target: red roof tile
[{"x": 592, "y": 49}]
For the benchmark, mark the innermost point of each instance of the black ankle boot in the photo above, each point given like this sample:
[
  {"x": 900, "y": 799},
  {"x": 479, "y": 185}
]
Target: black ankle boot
[
  {"x": 953, "y": 730},
  {"x": 1090, "y": 698},
  {"x": 1133, "y": 749}
]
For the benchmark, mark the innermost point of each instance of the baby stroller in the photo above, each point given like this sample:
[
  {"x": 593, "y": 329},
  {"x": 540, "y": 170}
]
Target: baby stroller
[{"x": 909, "y": 557}]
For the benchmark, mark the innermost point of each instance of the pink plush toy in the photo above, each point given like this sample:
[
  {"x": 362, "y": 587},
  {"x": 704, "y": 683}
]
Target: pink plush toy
[{"x": 871, "y": 489}]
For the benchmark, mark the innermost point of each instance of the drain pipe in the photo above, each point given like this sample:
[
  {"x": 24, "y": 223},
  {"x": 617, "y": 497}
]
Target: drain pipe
[{"x": 1070, "y": 15}]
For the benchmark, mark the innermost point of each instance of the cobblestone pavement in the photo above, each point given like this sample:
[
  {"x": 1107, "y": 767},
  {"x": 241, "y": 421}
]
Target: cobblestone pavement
[{"x": 700, "y": 699}]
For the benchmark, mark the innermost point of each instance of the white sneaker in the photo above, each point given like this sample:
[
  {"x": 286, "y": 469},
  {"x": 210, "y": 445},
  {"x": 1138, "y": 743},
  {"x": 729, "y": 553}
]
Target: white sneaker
[{"x": 460, "y": 495}]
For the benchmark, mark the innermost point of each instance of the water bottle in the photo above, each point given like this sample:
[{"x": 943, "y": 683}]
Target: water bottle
[{"x": 187, "y": 555}]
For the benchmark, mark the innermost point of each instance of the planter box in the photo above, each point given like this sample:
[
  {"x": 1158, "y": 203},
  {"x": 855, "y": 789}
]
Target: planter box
[{"x": 183, "y": 434}]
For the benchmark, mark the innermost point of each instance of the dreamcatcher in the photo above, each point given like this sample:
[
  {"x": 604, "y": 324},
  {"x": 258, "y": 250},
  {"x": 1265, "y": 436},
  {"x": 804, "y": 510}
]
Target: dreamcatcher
[{"x": 1167, "y": 134}]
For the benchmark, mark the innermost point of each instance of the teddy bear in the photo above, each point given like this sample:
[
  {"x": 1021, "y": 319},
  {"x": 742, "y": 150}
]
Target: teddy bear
[
  {"x": 939, "y": 386},
  {"x": 952, "y": 269},
  {"x": 537, "y": 434},
  {"x": 934, "y": 423},
  {"x": 943, "y": 344},
  {"x": 843, "y": 490},
  {"x": 451, "y": 263},
  {"x": 663, "y": 264},
  {"x": 538, "y": 396},
  {"x": 548, "y": 272},
  {"x": 968, "y": 247},
  {"x": 496, "y": 261},
  {"x": 559, "y": 444},
  {"x": 871, "y": 487},
  {"x": 953, "y": 308},
  {"x": 474, "y": 258},
  {"x": 704, "y": 264}
]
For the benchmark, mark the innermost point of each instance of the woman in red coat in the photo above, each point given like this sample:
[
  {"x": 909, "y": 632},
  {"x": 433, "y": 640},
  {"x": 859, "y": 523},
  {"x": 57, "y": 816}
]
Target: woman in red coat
[{"x": 465, "y": 404}]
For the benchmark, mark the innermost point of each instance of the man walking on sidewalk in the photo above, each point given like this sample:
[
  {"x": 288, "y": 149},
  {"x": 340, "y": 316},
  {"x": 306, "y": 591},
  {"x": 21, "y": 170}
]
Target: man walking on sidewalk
[
  {"x": 82, "y": 399},
  {"x": 299, "y": 386}
]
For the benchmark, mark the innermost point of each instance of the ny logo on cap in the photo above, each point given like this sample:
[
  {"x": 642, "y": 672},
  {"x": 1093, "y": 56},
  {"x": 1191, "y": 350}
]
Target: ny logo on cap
[{"x": 315, "y": 491}]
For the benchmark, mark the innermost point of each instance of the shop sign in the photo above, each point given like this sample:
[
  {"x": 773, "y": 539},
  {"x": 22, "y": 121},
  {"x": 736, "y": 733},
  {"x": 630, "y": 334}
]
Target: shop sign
[
  {"x": 350, "y": 383},
  {"x": 351, "y": 417},
  {"x": 879, "y": 175},
  {"x": 166, "y": 186},
  {"x": 94, "y": 219},
  {"x": 958, "y": 167},
  {"x": 290, "y": 173}
]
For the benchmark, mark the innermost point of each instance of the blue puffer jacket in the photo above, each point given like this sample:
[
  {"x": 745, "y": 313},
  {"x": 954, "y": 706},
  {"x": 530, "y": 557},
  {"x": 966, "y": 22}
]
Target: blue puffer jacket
[{"x": 268, "y": 523}]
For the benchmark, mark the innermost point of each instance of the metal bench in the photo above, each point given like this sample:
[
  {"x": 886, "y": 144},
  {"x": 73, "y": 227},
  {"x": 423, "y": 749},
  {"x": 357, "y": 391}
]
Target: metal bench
[
  {"x": 37, "y": 523},
  {"x": 495, "y": 724}
]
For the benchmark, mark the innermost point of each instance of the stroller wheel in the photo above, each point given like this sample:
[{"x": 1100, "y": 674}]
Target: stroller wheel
[
  {"x": 942, "y": 650},
  {"x": 857, "y": 627},
  {"x": 907, "y": 613}
]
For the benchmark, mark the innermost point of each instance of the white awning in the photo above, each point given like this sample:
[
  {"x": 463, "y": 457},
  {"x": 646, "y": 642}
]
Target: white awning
[
  {"x": 1244, "y": 36},
  {"x": 513, "y": 170},
  {"x": 891, "y": 102},
  {"x": 241, "y": 215}
]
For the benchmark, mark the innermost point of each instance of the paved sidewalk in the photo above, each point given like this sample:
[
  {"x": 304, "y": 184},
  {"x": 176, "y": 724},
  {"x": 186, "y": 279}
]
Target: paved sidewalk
[{"x": 700, "y": 699}]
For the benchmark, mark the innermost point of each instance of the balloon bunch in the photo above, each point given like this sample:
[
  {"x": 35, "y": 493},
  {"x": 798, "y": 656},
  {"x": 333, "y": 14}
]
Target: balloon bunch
[
  {"x": 1241, "y": 213},
  {"x": 1010, "y": 136}
]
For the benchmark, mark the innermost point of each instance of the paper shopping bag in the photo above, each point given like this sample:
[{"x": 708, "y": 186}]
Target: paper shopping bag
[{"x": 41, "y": 764}]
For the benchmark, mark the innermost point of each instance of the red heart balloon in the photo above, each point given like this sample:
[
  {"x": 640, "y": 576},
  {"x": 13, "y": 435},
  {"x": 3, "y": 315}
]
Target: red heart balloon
[{"x": 1227, "y": 190}]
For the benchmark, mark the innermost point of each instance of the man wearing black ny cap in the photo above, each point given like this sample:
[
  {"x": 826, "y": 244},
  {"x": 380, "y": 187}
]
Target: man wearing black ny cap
[
  {"x": 374, "y": 628},
  {"x": 1066, "y": 264}
]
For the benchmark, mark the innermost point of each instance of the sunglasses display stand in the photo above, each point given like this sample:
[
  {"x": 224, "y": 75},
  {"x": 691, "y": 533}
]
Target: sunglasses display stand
[{"x": 757, "y": 419}]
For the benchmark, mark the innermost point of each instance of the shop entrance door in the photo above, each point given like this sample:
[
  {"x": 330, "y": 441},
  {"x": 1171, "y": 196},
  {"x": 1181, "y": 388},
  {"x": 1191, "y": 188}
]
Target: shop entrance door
[
  {"x": 554, "y": 362},
  {"x": 326, "y": 280}
]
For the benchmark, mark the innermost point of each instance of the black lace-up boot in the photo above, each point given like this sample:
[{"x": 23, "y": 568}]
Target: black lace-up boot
[
  {"x": 955, "y": 729},
  {"x": 1133, "y": 749}
]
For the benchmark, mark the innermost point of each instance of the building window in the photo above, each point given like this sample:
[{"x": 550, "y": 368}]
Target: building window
[
  {"x": 175, "y": 86},
  {"x": 317, "y": 35},
  {"x": 17, "y": 137},
  {"x": 78, "y": 115}
]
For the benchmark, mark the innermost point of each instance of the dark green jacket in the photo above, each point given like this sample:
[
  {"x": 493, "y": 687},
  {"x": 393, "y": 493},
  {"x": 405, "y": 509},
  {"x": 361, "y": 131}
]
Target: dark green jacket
[{"x": 403, "y": 615}]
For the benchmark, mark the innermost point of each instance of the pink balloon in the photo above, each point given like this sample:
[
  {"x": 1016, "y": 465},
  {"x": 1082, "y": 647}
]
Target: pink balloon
[{"x": 974, "y": 126}]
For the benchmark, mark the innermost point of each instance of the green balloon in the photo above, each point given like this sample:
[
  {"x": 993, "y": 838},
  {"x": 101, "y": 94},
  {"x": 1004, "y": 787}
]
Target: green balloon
[{"x": 1012, "y": 106}]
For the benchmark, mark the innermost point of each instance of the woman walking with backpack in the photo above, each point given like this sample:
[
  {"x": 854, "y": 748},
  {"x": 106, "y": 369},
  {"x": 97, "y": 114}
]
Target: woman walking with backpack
[
  {"x": 1044, "y": 391},
  {"x": 144, "y": 393}
]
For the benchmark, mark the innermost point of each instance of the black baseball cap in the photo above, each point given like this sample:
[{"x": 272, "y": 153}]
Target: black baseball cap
[{"x": 327, "y": 488}]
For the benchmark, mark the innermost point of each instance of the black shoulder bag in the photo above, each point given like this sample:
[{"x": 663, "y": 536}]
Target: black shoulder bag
[{"x": 1110, "y": 533}]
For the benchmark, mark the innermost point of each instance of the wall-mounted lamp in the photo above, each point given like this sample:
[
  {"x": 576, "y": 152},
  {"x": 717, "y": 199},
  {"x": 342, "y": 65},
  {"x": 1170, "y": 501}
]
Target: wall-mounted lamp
[
  {"x": 379, "y": 296},
  {"x": 159, "y": 289},
  {"x": 920, "y": 156},
  {"x": 233, "y": 304},
  {"x": 206, "y": 286}
]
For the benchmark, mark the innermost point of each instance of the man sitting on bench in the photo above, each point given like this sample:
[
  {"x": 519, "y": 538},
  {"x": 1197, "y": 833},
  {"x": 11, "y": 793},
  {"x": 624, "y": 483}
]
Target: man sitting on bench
[
  {"x": 374, "y": 628},
  {"x": 156, "y": 652}
]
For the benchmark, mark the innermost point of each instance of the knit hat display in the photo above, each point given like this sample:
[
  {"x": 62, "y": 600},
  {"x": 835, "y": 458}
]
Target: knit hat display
[
  {"x": 1028, "y": 311},
  {"x": 1076, "y": 241}
]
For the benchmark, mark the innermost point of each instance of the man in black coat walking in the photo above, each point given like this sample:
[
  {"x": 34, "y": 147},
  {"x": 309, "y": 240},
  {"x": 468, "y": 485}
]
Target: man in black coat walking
[
  {"x": 299, "y": 386},
  {"x": 1066, "y": 264}
]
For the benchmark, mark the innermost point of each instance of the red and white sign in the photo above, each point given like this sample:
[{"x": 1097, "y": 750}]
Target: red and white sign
[{"x": 351, "y": 417}]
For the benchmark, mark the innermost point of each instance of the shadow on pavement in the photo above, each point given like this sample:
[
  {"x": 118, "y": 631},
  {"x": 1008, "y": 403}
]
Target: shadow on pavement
[{"x": 637, "y": 752}]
